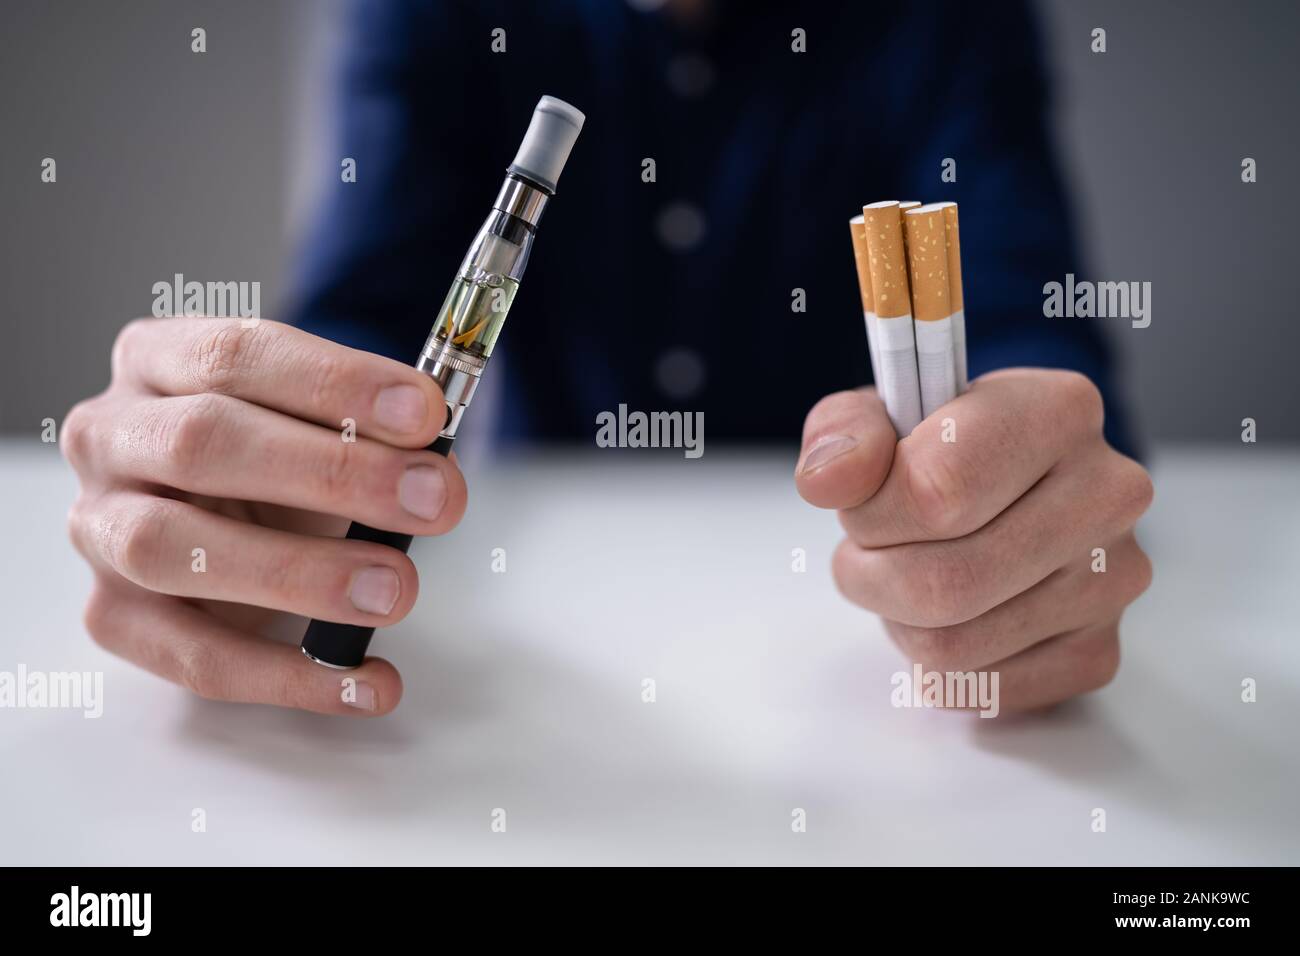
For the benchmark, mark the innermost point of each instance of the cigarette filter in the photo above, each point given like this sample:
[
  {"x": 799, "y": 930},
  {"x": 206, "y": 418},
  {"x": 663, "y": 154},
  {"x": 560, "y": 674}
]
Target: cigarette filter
[
  {"x": 927, "y": 254},
  {"x": 897, "y": 384},
  {"x": 955, "y": 294},
  {"x": 861, "y": 259},
  {"x": 903, "y": 208}
]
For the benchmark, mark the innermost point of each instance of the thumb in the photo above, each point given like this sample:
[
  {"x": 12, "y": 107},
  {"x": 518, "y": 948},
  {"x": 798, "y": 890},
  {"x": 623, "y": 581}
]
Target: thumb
[{"x": 848, "y": 447}]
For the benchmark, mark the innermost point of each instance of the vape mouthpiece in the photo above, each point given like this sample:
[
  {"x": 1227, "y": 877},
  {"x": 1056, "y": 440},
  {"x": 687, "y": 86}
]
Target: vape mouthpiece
[{"x": 551, "y": 135}]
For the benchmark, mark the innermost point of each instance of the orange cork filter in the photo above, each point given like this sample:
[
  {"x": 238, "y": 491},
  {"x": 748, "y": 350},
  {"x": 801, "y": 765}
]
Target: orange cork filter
[
  {"x": 953, "y": 238},
  {"x": 927, "y": 253},
  {"x": 884, "y": 226},
  {"x": 862, "y": 259}
]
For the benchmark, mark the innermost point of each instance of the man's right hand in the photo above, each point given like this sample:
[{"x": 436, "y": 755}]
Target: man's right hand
[{"x": 230, "y": 439}]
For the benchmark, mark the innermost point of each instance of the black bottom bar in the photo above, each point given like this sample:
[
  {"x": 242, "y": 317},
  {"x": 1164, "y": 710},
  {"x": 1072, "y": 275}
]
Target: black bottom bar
[{"x": 920, "y": 907}]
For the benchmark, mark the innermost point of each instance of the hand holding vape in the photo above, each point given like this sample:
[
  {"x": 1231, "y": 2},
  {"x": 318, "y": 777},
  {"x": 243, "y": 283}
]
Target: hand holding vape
[{"x": 472, "y": 316}]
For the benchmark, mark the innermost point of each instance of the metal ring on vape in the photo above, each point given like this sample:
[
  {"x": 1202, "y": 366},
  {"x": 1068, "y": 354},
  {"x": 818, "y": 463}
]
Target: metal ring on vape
[
  {"x": 337, "y": 667},
  {"x": 518, "y": 198},
  {"x": 451, "y": 357}
]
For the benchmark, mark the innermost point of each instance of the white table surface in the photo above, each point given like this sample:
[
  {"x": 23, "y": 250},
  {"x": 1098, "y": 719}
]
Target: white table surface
[{"x": 773, "y": 693}]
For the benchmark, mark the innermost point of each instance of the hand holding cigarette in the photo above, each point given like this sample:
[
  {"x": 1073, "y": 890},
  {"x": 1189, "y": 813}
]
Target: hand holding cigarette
[
  {"x": 213, "y": 470},
  {"x": 979, "y": 553}
]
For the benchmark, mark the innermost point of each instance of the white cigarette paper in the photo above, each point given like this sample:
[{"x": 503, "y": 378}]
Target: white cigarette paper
[
  {"x": 895, "y": 341},
  {"x": 898, "y": 374},
  {"x": 935, "y": 364},
  {"x": 858, "y": 233},
  {"x": 927, "y": 256}
]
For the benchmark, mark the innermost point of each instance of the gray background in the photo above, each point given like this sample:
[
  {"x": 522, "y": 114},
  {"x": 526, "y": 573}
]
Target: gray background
[{"x": 173, "y": 162}]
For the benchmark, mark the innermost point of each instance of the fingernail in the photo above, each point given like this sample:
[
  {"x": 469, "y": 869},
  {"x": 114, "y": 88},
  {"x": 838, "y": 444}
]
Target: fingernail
[
  {"x": 422, "y": 491},
  {"x": 362, "y": 696},
  {"x": 401, "y": 408},
  {"x": 374, "y": 590},
  {"x": 825, "y": 450}
]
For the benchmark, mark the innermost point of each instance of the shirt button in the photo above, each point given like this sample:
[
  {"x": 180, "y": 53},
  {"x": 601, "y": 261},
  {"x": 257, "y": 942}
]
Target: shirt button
[
  {"x": 681, "y": 226},
  {"x": 690, "y": 75},
  {"x": 679, "y": 373}
]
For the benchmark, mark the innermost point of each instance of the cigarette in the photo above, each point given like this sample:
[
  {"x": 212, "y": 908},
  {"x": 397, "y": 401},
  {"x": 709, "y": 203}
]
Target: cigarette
[
  {"x": 927, "y": 256},
  {"x": 954, "y": 292},
  {"x": 861, "y": 259},
  {"x": 891, "y": 298}
]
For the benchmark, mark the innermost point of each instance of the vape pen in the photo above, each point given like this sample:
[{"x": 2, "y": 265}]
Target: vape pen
[{"x": 472, "y": 315}]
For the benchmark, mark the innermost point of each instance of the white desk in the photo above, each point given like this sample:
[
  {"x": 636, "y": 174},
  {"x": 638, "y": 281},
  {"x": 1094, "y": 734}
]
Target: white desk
[{"x": 773, "y": 693}]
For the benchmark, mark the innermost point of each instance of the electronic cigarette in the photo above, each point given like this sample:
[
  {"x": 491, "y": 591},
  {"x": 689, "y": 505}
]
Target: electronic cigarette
[{"x": 466, "y": 330}]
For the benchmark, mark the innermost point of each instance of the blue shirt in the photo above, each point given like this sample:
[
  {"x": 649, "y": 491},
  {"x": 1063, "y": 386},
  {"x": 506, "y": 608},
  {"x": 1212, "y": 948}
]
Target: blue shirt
[{"x": 761, "y": 154}]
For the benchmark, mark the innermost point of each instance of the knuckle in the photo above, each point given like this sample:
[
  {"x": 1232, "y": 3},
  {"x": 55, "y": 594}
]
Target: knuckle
[
  {"x": 136, "y": 539},
  {"x": 223, "y": 354},
  {"x": 191, "y": 433},
  {"x": 1102, "y": 663},
  {"x": 291, "y": 688},
  {"x": 940, "y": 587},
  {"x": 939, "y": 649},
  {"x": 854, "y": 523},
  {"x": 278, "y": 573},
  {"x": 1081, "y": 399},
  {"x": 196, "y": 668},
  {"x": 1134, "y": 490},
  {"x": 1141, "y": 576},
  {"x": 327, "y": 381},
  {"x": 338, "y": 472},
  {"x": 79, "y": 521},
  {"x": 77, "y": 435},
  {"x": 1146, "y": 571},
  {"x": 1092, "y": 659},
  {"x": 934, "y": 492},
  {"x": 846, "y": 575},
  {"x": 125, "y": 344},
  {"x": 97, "y": 615}
]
